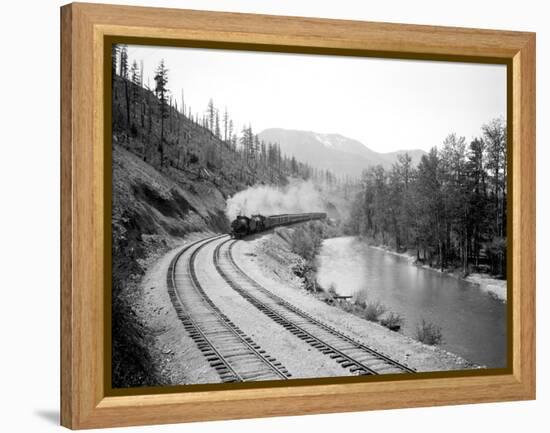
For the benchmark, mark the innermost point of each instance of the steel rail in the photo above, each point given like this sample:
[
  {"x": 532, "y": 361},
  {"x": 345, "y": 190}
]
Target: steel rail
[
  {"x": 315, "y": 341},
  {"x": 227, "y": 369},
  {"x": 280, "y": 371}
]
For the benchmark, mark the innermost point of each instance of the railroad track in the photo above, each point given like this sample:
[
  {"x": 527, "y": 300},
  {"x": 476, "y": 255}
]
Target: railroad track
[
  {"x": 351, "y": 354},
  {"x": 234, "y": 355}
]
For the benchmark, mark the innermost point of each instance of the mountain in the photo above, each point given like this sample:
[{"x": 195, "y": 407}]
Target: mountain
[{"x": 340, "y": 154}]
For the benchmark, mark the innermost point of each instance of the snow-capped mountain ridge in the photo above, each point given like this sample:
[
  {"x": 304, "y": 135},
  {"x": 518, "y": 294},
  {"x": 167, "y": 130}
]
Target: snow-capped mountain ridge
[{"x": 343, "y": 155}]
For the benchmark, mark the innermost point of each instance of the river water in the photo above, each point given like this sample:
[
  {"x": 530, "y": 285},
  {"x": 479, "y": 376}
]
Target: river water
[{"x": 472, "y": 322}]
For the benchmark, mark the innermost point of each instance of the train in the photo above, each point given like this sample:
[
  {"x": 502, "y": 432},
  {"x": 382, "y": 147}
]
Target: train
[{"x": 243, "y": 226}]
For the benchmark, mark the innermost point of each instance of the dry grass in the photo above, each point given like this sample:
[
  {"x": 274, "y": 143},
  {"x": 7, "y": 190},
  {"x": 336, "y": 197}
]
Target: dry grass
[
  {"x": 373, "y": 311},
  {"x": 429, "y": 333},
  {"x": 302, "y": 244},
  {"x": 393, "y": 321},
  {"x": 361, "y": 298}
]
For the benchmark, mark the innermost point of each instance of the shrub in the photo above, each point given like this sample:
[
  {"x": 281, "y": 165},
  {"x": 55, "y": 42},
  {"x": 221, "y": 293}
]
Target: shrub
[
  {"x": 332, "y": 289},
  {"x": 133, "y": 130},
  {"x": 346, "y": 306},
  {"x": 302, "y": 244},
  {"x": 373, "y": 311},
  {"x": 392, "y": 321},
  {"x": 193, "y": 158},
  {"x": 310, "y": 282},
  {"x": 361, "y": 298},
  {"x": 429, "y": 333}
]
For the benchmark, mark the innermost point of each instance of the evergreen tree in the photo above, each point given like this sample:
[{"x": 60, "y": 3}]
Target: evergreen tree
[
  {"x": 161, "y": 91},
  {"x": 395, "y": 203},
  {"x": 494, "y": 135},
  {"x": 478, "y": 201},
  {"x": 217, "y": 131},
  {"x": 135, "y": 76},
  {"x": 124, "y": 61},
  {"x": 211, "y": 113},
  {"x": 247, "y": 143},
  {"x": 406, "y": 174},
  {"x": 294, "y": 166},
  {"x": 451, "y": 207},
  {"x": 114, "y": 54},
  {"x": 263, "y": 152},
  {"x": 230, "y": 133},
  {"x": 255, "y": 147},
  {"x": 430, "y": 210},
  {"x": 226, "y": 133}
]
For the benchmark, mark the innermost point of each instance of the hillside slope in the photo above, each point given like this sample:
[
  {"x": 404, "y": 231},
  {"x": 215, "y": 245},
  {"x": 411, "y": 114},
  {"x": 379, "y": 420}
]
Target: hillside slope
[
  {"x": 151, "y": 214},
  {"x": 155, "y": 203},
  {"x": 188, "y": 149}
]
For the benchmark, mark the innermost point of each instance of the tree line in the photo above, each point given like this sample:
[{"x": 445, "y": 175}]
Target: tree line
[
  {"x": 451, "y": 208},
  {"x": 255, "y": 155}
]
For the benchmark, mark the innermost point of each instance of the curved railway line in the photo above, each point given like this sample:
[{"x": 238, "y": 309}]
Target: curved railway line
[
  {"x": 358, "y": 358},
  {"x": 234, "y": 355}
]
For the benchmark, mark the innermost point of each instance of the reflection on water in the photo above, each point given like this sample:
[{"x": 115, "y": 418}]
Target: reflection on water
[{"x": 472, "y": 322}]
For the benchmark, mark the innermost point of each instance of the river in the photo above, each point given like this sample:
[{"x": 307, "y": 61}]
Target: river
[{"x": 472, "y": 322}]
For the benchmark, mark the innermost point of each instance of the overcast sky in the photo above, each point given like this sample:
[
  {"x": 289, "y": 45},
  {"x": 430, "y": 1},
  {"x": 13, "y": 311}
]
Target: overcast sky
[{"x": 386, "y": 104}]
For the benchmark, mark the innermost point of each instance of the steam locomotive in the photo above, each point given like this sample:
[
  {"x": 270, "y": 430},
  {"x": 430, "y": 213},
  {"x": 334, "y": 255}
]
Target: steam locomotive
[{"x": 243, "y": 225}]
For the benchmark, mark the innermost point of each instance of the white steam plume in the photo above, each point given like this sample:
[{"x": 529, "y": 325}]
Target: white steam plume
[{"x": 296, "y": 197}]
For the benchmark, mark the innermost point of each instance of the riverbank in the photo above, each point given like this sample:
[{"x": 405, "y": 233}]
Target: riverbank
[
  {"x": 472, "y": 324},
  {"x": 496, "y": 288},
  {"x": 493, "y": 286},
  {"x": 273, "y": 267}
]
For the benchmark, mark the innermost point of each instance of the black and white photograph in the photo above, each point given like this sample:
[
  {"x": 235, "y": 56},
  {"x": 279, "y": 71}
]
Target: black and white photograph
[{"x": 282, "y": 216}]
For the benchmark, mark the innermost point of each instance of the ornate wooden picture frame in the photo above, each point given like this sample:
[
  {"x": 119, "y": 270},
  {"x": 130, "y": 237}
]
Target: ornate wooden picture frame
[{"x": 87, "y": 33}]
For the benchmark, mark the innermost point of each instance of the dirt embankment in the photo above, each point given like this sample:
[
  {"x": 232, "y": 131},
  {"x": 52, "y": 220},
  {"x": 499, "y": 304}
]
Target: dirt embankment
[
  {"x": 152, "y": 214},
  {"x": 274, "y": 268}
]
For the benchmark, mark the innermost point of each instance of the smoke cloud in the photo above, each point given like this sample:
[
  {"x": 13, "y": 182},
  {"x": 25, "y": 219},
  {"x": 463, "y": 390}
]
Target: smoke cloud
[{"x": 296, "y": 197}]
